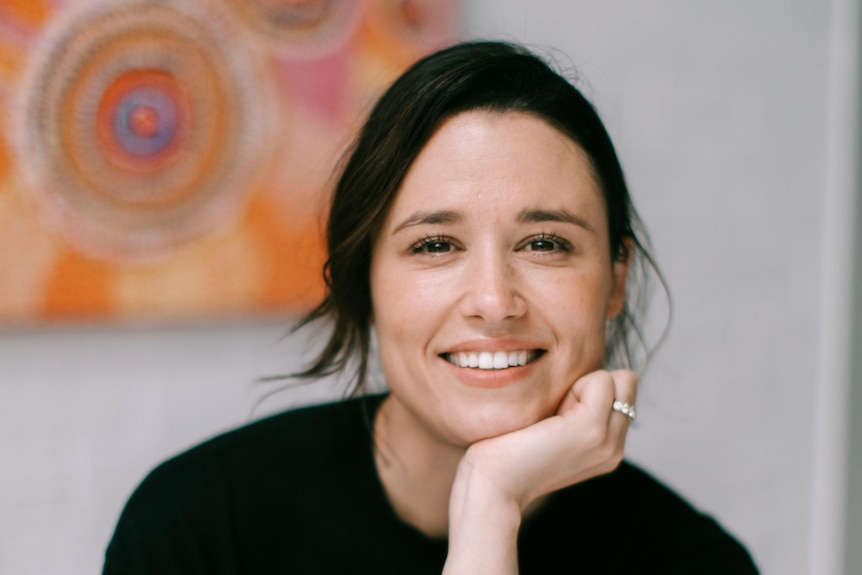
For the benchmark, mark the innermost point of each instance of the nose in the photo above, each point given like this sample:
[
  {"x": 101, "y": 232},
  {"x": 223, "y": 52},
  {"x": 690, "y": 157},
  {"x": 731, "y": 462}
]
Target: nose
[{"x": 491, "y": 290}]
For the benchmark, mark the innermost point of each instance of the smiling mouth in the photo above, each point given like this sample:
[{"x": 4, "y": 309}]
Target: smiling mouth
[{"x": 492, "y": 360}]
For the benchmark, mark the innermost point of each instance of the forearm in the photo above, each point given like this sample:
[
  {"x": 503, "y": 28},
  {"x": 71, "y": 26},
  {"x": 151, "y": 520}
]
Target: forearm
[{"x": 483, "y": 527}]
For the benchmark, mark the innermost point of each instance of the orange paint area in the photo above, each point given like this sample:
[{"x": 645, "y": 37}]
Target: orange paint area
[{"x": 171, "y": 161}]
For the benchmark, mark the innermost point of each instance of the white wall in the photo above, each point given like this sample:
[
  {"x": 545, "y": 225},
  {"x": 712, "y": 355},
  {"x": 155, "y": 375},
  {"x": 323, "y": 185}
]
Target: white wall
[
  {"x": 85, "y": 413},
  {"x": 721, "y": 114}
]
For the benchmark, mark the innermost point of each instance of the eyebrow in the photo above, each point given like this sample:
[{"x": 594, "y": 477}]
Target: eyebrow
[
  {"x": 525, "y": 216},
  {"x": 564, "y": 216},
  {"x": 419, "y": 218}
]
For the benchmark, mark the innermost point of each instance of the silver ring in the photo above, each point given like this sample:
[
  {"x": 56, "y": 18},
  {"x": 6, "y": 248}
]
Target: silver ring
[{"x": 626, "y": 409}]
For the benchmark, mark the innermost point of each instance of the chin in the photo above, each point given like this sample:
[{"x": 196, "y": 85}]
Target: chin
[{"x": 489, "y": 422}]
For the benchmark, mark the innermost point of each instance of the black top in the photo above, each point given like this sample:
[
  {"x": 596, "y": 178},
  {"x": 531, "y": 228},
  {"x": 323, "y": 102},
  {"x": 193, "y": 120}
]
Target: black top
[{"x": 299, "y": 493}]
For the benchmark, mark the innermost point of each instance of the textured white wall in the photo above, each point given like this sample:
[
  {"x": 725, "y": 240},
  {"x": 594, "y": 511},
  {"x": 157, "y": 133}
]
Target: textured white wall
[
  {"x": 85, "y": 413},
  {"x": 720, "y": 112}
]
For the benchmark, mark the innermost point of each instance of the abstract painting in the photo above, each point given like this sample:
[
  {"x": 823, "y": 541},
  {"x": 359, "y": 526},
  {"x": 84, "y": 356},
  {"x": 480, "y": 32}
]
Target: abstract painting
[{"x": 172, "y": 160}]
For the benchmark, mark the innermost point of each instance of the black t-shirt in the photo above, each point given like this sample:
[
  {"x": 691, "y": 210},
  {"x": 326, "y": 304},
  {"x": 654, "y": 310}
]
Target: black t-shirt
[{"x": 298, "y": 493}]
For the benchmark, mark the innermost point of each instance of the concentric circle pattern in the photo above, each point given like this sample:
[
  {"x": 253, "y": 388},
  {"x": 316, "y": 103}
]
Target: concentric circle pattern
[
  {"x": 171, "y": 158},
  {"x": 141, "y": 116},
  {"x": 138, "y": 128}
]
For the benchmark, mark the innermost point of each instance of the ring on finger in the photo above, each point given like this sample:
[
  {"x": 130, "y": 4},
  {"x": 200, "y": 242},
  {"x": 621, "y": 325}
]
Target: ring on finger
[{"x": 626, "y": 409}]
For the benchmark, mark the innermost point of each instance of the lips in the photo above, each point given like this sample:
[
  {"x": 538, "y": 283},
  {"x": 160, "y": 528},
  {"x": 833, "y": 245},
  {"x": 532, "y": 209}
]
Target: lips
[{"x": 492, "y": 360}]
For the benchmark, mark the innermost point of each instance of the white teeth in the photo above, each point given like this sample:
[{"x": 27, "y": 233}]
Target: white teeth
[{"x": 489, "y": 359}]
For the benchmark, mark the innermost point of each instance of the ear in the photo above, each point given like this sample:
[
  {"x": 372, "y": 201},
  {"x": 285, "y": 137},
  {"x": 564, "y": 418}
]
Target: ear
[{"x": 619, "y": 276}]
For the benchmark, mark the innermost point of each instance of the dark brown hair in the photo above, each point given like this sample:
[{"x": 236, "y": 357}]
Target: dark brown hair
[{"x": 491, "y": 76}]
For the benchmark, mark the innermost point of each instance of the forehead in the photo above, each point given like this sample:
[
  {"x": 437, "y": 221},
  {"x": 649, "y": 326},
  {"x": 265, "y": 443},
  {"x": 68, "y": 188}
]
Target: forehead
[{"x": 481, "y": 159}]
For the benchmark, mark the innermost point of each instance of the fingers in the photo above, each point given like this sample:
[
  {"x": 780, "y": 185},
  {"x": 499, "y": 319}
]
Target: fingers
[
  {"x": 601, "y": 432},
  {"x": 597, "y": 391},
  {"x": 596, "y": 386},
  {"x": 586, "y": 440},
  {"x": 625, "y": 390},
  {"x": 625, "y": 385}
]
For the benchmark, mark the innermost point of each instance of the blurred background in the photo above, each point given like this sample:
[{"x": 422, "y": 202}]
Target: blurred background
[{"x": 161, "y": 169}]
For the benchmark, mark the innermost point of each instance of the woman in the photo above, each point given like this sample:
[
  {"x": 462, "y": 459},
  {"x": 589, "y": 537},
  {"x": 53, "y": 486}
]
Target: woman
[{"x": 483, "y": 229}]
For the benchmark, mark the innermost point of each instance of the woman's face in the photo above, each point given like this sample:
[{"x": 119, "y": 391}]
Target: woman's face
[{"x": 491, "y": 278}]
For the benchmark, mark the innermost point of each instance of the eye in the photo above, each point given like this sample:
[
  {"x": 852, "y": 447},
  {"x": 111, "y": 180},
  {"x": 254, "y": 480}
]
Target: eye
[
  {"x": 433, "y": 245},
  {"x": 541, "y": 246},
  {"x": 547, "y": 243}
]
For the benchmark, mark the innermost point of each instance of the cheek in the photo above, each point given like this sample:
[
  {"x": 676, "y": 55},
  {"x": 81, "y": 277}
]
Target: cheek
[
  {"x": 402, "y": 313},
  {"x": 409, "y": 297},
  {"x": 392, "y": 337},
  {"x": 575, "y": 308},
  {"x": 581, "y": 297}
]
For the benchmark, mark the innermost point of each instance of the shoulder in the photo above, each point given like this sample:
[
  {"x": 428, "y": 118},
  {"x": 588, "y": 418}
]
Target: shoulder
[
  {"x": 646, "y": 527},
  {"x": 277, "y": 442},
  {"x": 306, "y": 432},
  {"x": 188, "y": 508},
  {"x": 679, "y": 537}
]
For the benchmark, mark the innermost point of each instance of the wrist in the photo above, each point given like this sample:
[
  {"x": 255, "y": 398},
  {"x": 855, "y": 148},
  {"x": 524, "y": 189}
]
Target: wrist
[{"x": 483, "y": 525}]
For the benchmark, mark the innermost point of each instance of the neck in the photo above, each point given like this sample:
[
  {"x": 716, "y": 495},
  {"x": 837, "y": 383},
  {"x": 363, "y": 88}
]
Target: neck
[{"x": 416, "y": 468}]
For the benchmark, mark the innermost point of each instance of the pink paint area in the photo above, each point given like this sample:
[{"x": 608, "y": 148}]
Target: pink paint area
[{"x": 319, "y": 83}]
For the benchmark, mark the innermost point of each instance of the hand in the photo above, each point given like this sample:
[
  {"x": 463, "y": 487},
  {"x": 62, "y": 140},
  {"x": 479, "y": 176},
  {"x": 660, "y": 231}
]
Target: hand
[
  {"x": 499, "y": 477},
  {"x": 585, "y": 438}
]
